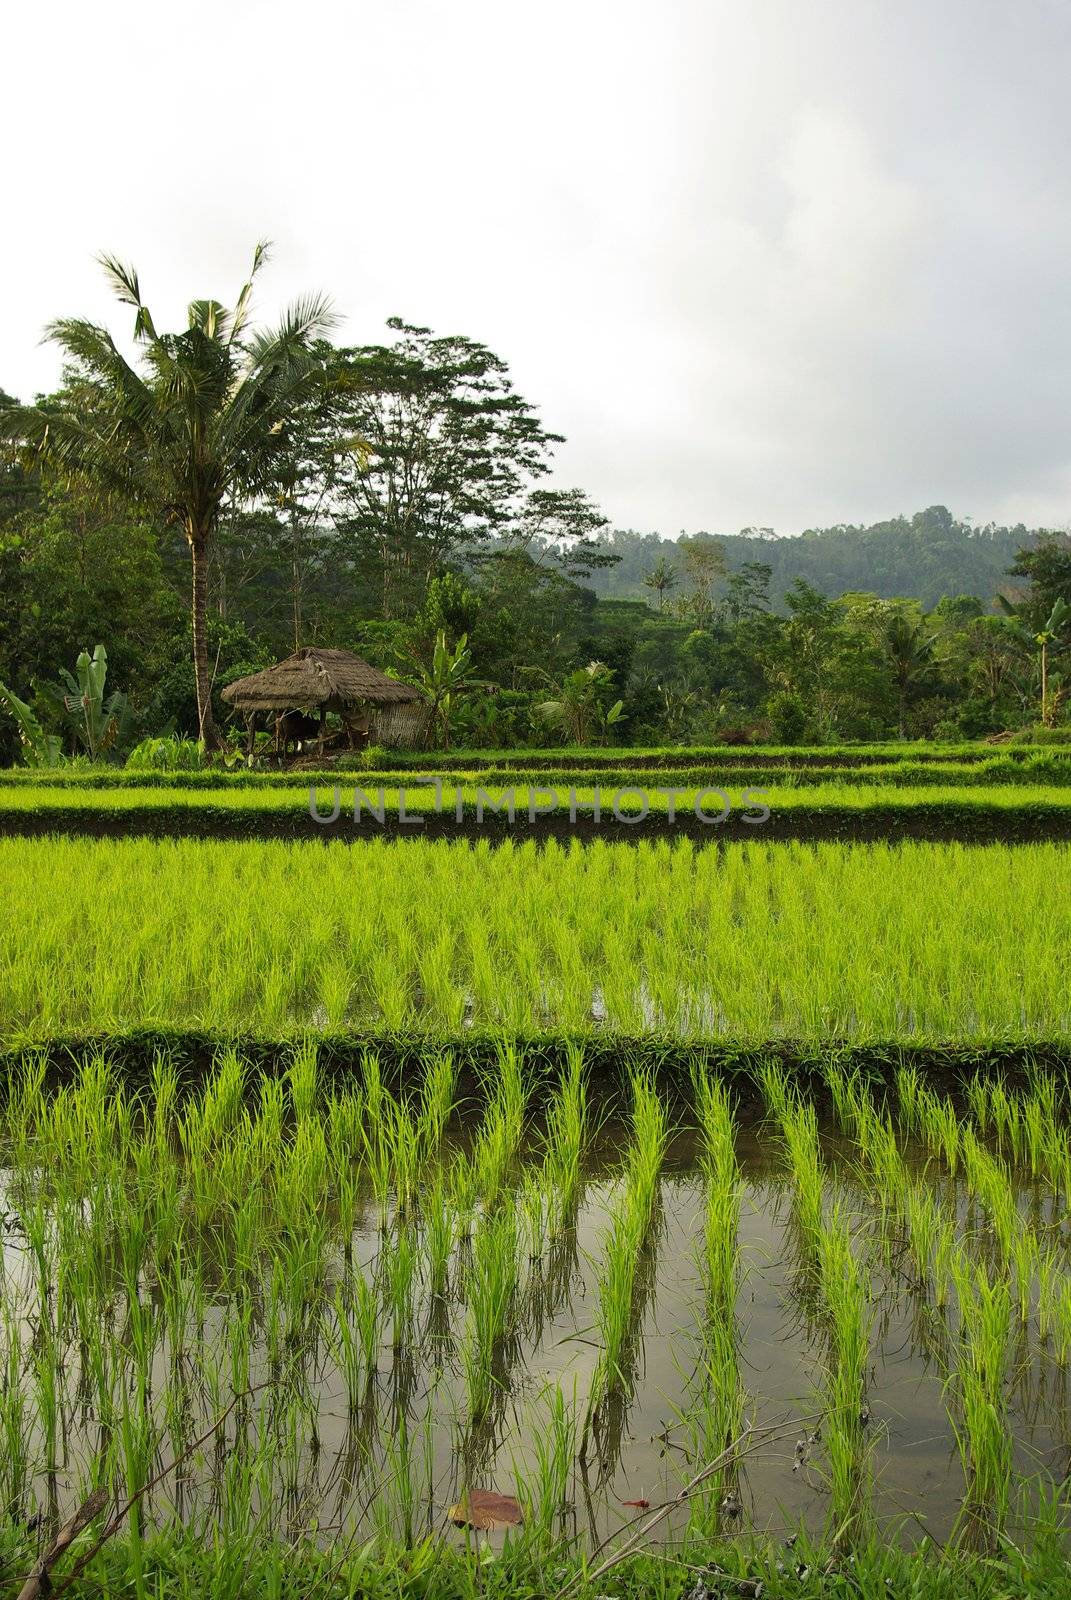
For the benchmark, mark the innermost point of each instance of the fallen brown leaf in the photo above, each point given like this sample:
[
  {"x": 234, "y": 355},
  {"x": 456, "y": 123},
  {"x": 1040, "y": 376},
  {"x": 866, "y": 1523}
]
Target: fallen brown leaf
[{"x": 484, "y": 1509}]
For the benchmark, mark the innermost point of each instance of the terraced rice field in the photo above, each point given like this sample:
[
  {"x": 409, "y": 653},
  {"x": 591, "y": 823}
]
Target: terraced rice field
[
  {"x": 1017, "y": 795},
  {"x": 713, "y": 1204}
]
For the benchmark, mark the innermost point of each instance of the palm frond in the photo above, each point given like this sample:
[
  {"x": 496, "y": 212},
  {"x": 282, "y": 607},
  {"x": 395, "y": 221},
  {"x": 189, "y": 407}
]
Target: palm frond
[
  {"x": 241, "y": 306},
  {"x": 124, "y": 281},
  {"x": 95, "y": 349},
  {"x": 23, "y": 426},
  {"x": 209, "y": 317},
  {"x": 302, "y": 322}
]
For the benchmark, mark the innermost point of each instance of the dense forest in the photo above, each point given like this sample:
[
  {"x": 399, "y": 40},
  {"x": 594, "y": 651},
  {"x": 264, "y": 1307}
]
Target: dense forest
[
  {"x": 927, "y": 556},
  {"x": 230, "y": 495}
]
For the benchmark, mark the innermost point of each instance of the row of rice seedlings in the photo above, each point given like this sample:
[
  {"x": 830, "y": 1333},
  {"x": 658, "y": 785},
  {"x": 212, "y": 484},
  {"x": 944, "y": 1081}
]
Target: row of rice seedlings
[
  {"x": 120, "y": 1234},
  {"x": 545, "y": 1486},
  {"x": 908, "y": 1213},
  {"x": 401, "y": 1138},
  {"x": 844, "y": 1285},
  {"x": 799, "y": 1131},
  {"x": 565, "y": 1138},
  {"x": 715, "y": 1417},
  {"x": 931, "y": 1234},
  {"x": 1026, "y": 1129},
  {"x": 484, "y": 1174},
  {"x": 979, "y": 1383},
  {"x": 721, "y": 1232},
  {"x": 833, "y": 1263},
  {"x": 491, "y": 1284},
  {"x": 117, "y": 1349},
  {"x": 829, "y": 941},
  {"x": 930, "y": 1116},
  {"x": 989, "y": 1181},
  {"x": 1029, "y": 1128},
  {"x": 1054, "y": 1303},
  {"x": 354, "y": 1337},
  {"x": 632, "y": 1213}
]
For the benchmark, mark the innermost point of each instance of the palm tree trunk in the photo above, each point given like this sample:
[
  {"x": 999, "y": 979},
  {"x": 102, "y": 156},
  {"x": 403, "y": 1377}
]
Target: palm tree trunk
[
  {"x": 205, "y": 723},
  {"x": 1044, "y": 686},
  {"x": 297, "y": 576}
]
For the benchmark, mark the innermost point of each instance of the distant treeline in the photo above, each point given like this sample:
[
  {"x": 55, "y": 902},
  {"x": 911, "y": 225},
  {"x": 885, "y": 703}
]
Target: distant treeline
[{"x": 927, "y": 556}]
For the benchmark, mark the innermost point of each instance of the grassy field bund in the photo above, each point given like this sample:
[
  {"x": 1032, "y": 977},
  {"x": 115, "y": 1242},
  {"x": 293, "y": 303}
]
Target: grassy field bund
[
  {"x": 690, "y": 768},
  {"x": 972, "y": 794},
  {"x": 627, "y": 811}
]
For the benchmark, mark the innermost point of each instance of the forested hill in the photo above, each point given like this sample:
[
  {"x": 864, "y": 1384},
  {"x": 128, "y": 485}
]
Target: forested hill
[{"x": 925, "y": 556}]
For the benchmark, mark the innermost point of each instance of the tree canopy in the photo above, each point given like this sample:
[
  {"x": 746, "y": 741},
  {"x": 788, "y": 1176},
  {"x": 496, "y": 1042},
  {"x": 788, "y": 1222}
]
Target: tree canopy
[{"x": 228, "y": 495}]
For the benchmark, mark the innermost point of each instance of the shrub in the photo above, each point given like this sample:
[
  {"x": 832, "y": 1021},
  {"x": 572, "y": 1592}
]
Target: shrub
[
  {"x": 789, "y": 720},
  {"x": 167, "y": 755},
  {"x": 1042, "y": 735}
]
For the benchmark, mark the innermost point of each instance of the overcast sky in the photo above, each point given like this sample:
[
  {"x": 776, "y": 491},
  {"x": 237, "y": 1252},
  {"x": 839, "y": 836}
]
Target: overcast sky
[{"x": 785, "y": 262}]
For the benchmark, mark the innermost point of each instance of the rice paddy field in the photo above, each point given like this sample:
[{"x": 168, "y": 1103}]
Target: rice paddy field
[
  {"x": 751, "y": 942},
  {"x": 1016, "y": 795},
  {"x": 523, "y": 1216}
]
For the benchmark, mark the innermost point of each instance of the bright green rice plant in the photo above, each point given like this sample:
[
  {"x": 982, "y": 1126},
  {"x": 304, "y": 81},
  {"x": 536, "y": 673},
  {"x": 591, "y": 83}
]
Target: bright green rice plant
[
  {"x": 979, "y": 1385},
  {"x": 491, "y": 1294},
  {"x": 834, "y": 940},
  {"x": 398, "y": 1266},
  {"x": 545, "y": 1489},
  {"x": 486, "y": 1172},
  {"x": 566, "y": 1132},
  {"x": 799, "y": 1130},
  {"x": 721, "y": 1231},
  {"x": 846, "y": 1299},
  {"x": 631, "y": 1216}
]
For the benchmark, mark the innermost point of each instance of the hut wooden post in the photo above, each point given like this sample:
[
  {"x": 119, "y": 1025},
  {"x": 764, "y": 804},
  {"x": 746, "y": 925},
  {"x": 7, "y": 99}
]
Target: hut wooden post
[
  {"x": 250, "y": 732},
  {"x": 323, "y": 727}
]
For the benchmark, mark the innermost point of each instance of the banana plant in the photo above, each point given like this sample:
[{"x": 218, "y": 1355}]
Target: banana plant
[
  {"x": 94, "y": 722},
  {"x": 39, "y": 749},
  {"x": 448, "y": 677}
]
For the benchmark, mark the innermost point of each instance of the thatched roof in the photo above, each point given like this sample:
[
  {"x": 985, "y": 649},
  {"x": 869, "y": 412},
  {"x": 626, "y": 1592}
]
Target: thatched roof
[{"x": 334, "y": 679}]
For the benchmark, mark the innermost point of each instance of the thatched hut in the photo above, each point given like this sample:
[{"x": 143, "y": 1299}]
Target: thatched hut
[{"x": 314, "y": 681}]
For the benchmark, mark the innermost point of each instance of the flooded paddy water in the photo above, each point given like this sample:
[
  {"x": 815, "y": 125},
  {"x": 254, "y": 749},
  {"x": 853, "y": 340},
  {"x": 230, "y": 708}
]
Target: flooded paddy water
[{"x": 339, "y": 1310}]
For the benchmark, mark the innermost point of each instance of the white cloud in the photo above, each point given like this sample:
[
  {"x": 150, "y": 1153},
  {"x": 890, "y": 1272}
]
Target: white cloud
[{"x": 761, "y": 263}]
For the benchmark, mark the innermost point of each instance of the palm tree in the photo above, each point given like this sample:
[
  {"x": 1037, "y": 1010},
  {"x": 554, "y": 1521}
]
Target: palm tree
[
  {"x": 910, "y": 652},
  {"x": 201, "y": 422},
  {"x": 581, "y": 704},
  {"x": 661, "y": 578},
  {"x": 1046, "y": 636}
]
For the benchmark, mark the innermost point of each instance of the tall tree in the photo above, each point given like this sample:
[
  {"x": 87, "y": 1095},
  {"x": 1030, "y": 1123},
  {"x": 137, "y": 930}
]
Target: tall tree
[
  {"x": 452, "y": 452},
  {"x": 704, "y": 568},
  {"x": 200, "y": 423},
  {"x": 563, "y": 525},
  {"x": 908, "y": 649},
  {"x": 1049, "y": 636},
  {"x": 1048, "y": 566},
  {"x": 747, "y": 593},
  {"x": 661, "y": 578}
]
